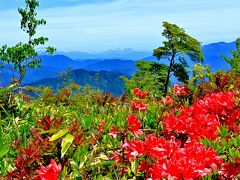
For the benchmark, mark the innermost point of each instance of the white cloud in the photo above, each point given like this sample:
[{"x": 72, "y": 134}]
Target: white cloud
[{"x": 131, "y": 23}]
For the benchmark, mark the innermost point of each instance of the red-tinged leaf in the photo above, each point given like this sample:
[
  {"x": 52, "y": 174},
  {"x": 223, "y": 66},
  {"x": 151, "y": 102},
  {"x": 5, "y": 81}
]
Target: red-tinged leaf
[
  {"x": 18, "y": 141},
  {"x": 93, "y": 139},
  {"x": 27, "y": 151},
  {"x": 45, "y": 123},
  {"x": 56, "y": 122},
  {"x": 75, "y": 127},
  {"x": 47, "y": 120},
  {"x": 79, "y": 138},
  {"x": 45, "y": 142},
  {"x": 20, "y": 161}
]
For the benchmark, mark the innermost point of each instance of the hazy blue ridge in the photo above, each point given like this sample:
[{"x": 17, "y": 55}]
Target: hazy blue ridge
[
  {"x": 53, "y": 65},
  {"x": 103, "y": 80}
]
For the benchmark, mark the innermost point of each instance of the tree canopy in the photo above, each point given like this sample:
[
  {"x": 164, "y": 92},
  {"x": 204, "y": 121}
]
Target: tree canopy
[
  {"x": 25, "y": 55},
  {"x": 150, "y": 77},
  {"x": 234, "y": 61},
  {"x": 175, "y": 48}
]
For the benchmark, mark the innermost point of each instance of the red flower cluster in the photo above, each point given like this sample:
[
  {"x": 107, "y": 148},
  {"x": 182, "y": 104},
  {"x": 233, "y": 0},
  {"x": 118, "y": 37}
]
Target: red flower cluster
[
  {"x": 230, "y": 170},
  {"x": 100, "y": 127},
  {"x": 221, "y": 104},
  {"x": 134, "y": 125},
  {"x": 114, "y": 132},
  {"x": 233, "y": 119},
  {"x": 218, "y": 103},
  {"x": 193, "y": 123},
  {"x": 203, "y": 118},
  {"x": 179, "y": 90},
  {"x": 167, "y": 100},
  {"x": 170, "y": 160},
  {"x": 180, "y": 155},
  {"x": 50, "y": 172},
  {"x": 139, "y": 93},
  {"x": 139, "y": 106}
]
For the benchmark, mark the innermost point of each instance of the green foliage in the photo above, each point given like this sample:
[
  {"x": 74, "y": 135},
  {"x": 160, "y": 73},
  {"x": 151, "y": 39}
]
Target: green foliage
[
  {"x": 228, "y": 143},
  {"x": 234, "y": 61},
  {"x": 66, "y": 143},
  {"x": 104, "y": 81},
  {"x": 85, "y": 130},
  {"x": 75, "y": 129},
  {"x": 180, "y": 72},
  {"x": 65, "y": 77},
  {"x": 150, "y": 77},
  {"x": 201, "y": 73},
  {"x": 174, "y": 49},
  {"x": 24, "y": 55}
]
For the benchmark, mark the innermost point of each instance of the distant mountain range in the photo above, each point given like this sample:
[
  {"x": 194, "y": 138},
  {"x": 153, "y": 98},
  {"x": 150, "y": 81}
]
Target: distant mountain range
[
  {"x": 123, "y": 54},
  {"x": 212, "y": 55},
  {"x": 85, "y": 64},
  {"x": 103, "y": 80}
]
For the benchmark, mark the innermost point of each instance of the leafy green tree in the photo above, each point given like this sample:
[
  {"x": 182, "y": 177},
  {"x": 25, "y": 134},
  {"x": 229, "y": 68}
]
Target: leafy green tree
[
  {"x": 24, "y": 55},
  {"x": 234, "y": 61},
  {"x": 150, "y": 77},
  {"x": 65, "y": 77},
  {"x": 177, "y": 46}
]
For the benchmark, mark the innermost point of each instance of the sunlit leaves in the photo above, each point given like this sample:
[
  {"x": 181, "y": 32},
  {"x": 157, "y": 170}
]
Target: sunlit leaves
[{"x": 66, "y": 143}]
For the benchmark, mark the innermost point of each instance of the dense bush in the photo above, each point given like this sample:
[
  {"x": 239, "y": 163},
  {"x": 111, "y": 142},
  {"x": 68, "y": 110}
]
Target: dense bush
[{"x": 84, "y": 134}]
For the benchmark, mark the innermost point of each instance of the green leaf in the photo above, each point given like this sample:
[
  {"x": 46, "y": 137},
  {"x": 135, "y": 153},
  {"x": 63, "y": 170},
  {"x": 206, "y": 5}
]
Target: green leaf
[
  {"x": 223, "y": 132},
  {"x": 50, "y": 131},
  {"x": 3, "y": 150},
  {"x": 238, "y": 141},
  {"x": 75, "y": 168},
  {"x": 235, "y": 142},
  {"x": 74, "y": 165},
  {"x": 58, "y": 135},
  {"x": 3, "y": 90},
  {"x": 111, "y": 163},
  {"x": 103, "y": 178},
  {"x": 133, "y": 167},
  {"x": 66, "y": 143},
  {"x": 232, "y": 153}
]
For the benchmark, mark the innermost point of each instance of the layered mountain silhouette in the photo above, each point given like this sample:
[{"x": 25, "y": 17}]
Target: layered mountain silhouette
[
  {"x": 103, "y": 80},
  {"x": 86, "y": 65},
  {"x": 124, "y": 54}
]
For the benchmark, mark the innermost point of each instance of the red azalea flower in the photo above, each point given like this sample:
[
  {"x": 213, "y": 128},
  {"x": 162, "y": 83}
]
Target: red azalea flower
[
  {"x": 134, "y": 149},
  {"x": 230, "y": 170},
  {"x": 139, "y": 106},
  {"x": 203, "y": 119},
  {"x": 140, "y": 94},
  {"x": 179, "y": 90},
  {"x": 168, "y": 100},
  {"x": 233, "y": 119},
  {"x": 50, "y": 172},
  {"x": 134, "y": 125},
  {"x": 100, "y": 127},
  {"x": 219, "y": 103},
  {"x": 114, "y": 132},
  {"x": 170, "y": 160}
]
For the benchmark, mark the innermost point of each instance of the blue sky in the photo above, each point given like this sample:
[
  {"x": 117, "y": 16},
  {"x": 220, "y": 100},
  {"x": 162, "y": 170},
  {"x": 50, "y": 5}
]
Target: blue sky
[{"x": 98, "y": 25}]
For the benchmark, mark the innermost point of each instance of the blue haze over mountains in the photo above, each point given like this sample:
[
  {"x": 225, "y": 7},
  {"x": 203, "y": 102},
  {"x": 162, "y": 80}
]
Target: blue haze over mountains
[{"x": 111, "y": 63}]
